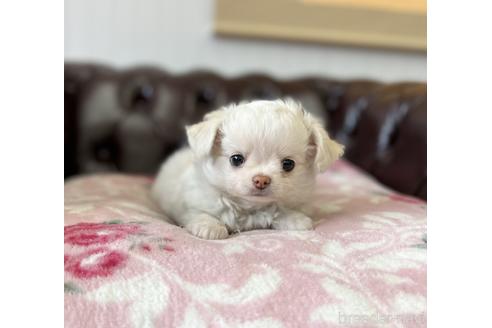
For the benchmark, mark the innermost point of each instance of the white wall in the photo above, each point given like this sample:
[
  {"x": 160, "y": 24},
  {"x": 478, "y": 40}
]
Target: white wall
[{"x": 177, "y": 35}]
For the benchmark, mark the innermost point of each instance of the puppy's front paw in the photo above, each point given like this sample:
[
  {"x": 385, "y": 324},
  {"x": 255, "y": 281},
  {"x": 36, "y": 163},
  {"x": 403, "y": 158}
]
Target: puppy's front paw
[
  {"x": 293, "y": 221},
  {"x": 207, "y": 227}
]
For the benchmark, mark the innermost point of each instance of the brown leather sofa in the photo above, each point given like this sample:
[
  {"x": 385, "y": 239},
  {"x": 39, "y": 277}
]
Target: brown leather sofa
[{"x": 130, "y": 120}]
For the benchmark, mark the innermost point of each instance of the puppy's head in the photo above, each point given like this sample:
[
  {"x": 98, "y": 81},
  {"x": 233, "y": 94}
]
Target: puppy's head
[{"x": 263, "y": 151}]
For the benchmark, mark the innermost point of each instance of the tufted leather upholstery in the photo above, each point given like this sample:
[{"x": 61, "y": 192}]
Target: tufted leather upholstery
[{"x": 131, "y": 120}]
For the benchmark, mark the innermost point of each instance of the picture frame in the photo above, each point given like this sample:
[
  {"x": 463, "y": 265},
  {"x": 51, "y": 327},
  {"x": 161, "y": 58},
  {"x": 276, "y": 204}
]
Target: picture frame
[{"x": 400, "y": 24}]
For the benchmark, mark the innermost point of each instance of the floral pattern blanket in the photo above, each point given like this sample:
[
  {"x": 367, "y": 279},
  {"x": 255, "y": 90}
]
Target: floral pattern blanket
[{"x": 364, "y": 265}]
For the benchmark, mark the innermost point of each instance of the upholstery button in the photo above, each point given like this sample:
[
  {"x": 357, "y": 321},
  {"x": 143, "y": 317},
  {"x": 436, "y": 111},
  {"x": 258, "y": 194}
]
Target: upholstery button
[
  {"x": 142, "y": 95},
  {"x": 332, "y": 103},
  {"x": 103, "y": 154},
  {"x": 261, "y": 92},
  {"x": 105, "y": 150},
  {"x": 205, "y": 96}
]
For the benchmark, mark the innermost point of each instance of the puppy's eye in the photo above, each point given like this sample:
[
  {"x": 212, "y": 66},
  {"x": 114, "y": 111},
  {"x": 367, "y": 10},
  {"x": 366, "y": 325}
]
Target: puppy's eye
[
  {"x": 236, "y": 160},
  {"x": 288, "y": 165}
]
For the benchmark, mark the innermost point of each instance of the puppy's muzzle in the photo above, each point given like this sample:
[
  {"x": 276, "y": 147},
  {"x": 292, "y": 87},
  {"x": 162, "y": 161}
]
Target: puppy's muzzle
[{"x": 261, "y": 181}]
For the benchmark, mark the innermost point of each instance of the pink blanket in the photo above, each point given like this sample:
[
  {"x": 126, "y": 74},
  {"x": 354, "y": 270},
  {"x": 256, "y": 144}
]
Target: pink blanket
[{"x": 363, "y": 266}]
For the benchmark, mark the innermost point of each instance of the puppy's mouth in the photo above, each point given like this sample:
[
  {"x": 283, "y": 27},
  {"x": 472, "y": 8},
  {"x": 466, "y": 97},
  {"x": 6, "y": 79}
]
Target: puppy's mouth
[
  {"x": 256, "y": 196},
  {"x": 260, "y": 195}
]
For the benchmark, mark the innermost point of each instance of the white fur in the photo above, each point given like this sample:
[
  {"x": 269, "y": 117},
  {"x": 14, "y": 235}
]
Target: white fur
[{"x": 200, "y": 190}]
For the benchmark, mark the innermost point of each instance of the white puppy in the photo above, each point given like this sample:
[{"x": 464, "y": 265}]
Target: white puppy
[{"x": 249, "y": 166}]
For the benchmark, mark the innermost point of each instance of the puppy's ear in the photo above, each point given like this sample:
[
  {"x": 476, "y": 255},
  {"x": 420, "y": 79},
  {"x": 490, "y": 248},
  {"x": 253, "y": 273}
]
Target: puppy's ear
[
  {"x": 203, "y": 137},
  {"x": 323, "y": 149}
]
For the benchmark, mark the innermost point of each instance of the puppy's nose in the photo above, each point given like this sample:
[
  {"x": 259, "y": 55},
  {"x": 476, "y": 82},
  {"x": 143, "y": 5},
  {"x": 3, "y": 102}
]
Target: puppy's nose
[{"x": 261, "y": 181}]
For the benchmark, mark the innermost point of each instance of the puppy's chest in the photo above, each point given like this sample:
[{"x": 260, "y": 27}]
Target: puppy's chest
[{"x": 238, "y": 218}]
